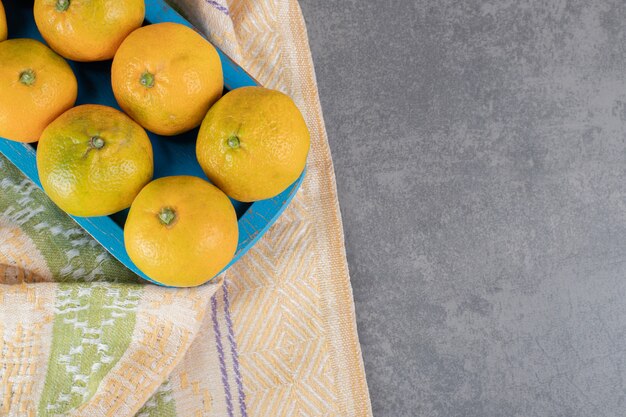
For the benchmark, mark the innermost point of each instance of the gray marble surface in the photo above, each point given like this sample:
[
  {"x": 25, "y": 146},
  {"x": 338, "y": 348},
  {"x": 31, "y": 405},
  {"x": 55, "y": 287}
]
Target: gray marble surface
[{"x": 480, "y": 152}]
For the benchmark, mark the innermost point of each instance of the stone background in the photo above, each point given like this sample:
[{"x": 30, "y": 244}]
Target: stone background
[{"x": 480, "y": 153}]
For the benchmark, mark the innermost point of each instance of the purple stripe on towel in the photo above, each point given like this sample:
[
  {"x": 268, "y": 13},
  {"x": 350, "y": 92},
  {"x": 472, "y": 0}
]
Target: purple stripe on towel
[
  {"x": 218, "y": 6},
  {"x": 233, "y": 350},
  {"x": 220, "y": 351}
]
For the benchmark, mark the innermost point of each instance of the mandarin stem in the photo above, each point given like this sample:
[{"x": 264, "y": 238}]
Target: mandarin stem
[
  {"x": 28, "y": 77},
  {"x": 167, "y": 216}
]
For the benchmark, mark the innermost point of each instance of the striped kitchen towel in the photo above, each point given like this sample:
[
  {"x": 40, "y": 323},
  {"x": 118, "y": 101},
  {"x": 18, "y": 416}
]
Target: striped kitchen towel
[{"x": 274, "y": 336}]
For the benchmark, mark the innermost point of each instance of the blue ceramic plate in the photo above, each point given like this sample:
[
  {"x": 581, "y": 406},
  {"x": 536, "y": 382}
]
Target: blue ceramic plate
[{"x": 172, "y": 156}]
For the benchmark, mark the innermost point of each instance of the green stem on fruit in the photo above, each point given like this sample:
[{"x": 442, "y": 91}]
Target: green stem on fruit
[
  {"x": 28, "y": 77},
  {"x": 62, "y": 5},
  {"x": 233, "y": 141},
  {"x": 147, "y": 79},
  {"x": 96, "y": 142},
  {"x": 167, "y": 216}
]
